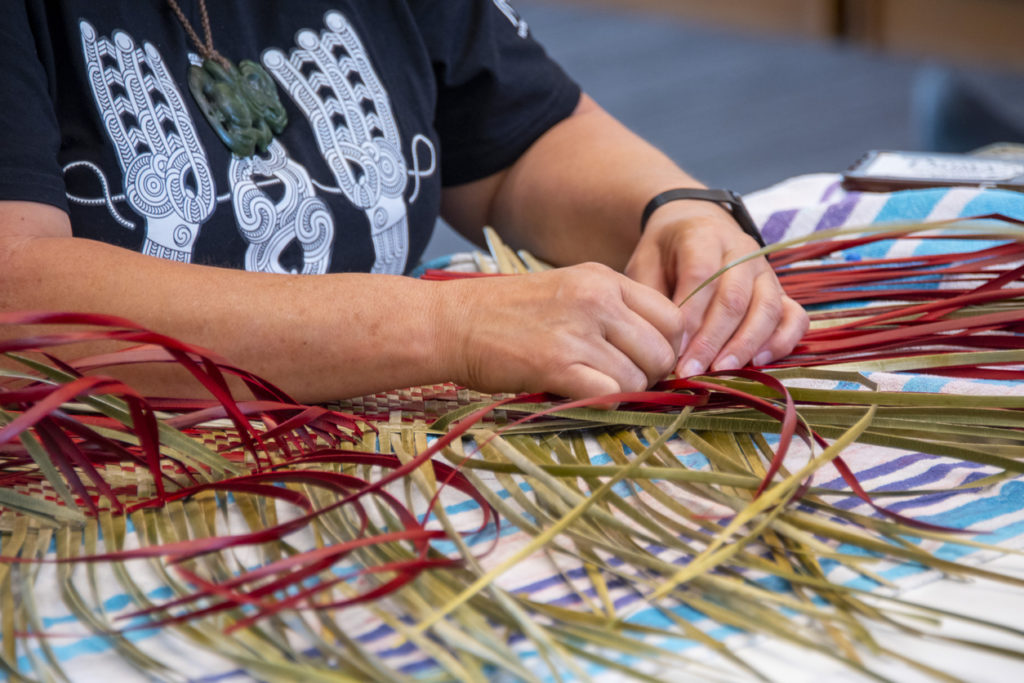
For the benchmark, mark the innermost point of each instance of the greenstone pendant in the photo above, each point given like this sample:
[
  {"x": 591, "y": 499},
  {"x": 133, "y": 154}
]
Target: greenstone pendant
[{"x": 240, "y": 103}]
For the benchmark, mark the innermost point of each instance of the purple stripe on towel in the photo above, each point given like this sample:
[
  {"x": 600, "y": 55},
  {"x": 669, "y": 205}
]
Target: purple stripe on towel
[
  {"x": 829, "y": 191},
  {"x": 777, "y": 224},
  {"x": 837, "y": 214},
  {"x": 921, "y": 481}
]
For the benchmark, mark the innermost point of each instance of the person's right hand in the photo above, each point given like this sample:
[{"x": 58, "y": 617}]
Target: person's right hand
[{"x": 580, "y": 332}]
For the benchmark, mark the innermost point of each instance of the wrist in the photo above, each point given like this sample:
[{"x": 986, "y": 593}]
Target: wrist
[
  {"x": 687, "y": 214},
  {"x": 727, "y": 200},
  {"x": 444, "y": 316}
]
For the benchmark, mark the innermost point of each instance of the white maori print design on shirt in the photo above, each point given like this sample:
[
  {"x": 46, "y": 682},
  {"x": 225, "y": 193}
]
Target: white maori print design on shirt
[
  {"x": 330, "y": 78},
  {"x": 270, "y": 227},
  {"x": 167, "y": 178}
]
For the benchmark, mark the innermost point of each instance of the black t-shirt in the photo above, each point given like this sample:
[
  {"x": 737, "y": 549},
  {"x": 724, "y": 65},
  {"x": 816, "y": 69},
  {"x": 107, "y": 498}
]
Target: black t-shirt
[{"x": 387, "y": 101}]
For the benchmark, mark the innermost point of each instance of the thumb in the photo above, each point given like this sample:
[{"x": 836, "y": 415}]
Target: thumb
[{"x": 646, "y": 266}]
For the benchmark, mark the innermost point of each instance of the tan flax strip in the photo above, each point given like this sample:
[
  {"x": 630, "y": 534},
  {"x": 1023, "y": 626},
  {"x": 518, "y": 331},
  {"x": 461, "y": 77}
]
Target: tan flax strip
[{"x": 11, "y": 547}]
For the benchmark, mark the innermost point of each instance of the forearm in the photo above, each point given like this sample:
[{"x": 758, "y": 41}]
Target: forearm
[{"x": 318, "y": 337}]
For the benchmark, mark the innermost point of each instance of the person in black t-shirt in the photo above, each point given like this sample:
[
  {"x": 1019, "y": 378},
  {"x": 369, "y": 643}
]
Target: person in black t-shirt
[{"x": 144, "y": 174}]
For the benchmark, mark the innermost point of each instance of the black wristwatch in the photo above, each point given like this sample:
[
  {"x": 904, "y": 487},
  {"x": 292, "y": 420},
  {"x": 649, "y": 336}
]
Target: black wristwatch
[{"x": 731, "y": 201}]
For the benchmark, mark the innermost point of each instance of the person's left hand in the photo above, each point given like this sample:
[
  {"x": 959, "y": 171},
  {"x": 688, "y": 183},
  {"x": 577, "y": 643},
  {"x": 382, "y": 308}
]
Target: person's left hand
[{"x": 743, "y": 316}]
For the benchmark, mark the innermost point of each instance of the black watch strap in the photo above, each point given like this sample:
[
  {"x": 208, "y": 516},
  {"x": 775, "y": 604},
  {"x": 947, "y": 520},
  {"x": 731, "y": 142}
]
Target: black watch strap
[{"x": 730, "y": 199}]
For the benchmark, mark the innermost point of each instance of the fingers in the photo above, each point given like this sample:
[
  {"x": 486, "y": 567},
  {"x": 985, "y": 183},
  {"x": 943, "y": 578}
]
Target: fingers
[
  {"x": 787, "y": 335},
  {"x": 741, "y": 314},
  {"x": 698, "y": 345},
  {"x": 748, "y": 320},
  {"x": 645, "y": 267},
  {"x": 639, "y": 330},
  {"x": 611, "y": 375},
  {"x": 582, "y": 381},
  {"x": 651, "y": 309},
  {"x": 643, "y": 345}
]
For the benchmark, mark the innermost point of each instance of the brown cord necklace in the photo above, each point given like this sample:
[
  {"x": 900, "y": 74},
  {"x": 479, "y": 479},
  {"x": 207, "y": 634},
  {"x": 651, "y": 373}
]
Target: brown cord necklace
[{"x": 239, "y": 102}]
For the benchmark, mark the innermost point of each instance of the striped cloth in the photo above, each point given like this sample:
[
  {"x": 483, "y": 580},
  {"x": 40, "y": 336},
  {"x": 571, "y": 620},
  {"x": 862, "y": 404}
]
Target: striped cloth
[
  {"x": 794, "y": 208},
  {"x": 811, "y": 203}
]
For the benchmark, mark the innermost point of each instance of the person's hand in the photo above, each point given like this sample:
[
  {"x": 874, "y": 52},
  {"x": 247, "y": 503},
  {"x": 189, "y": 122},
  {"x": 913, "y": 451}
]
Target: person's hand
[
  {"x": 741, "y": 317},
  {"x": 580, "y": 332}
]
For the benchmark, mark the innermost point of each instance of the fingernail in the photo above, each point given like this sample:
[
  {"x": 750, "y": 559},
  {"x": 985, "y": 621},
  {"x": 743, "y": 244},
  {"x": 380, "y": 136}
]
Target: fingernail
[
  {"x": 730, "y": 362},
  {"x": 693, "y": 367},
  {"x": 763, "y": 358}
]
